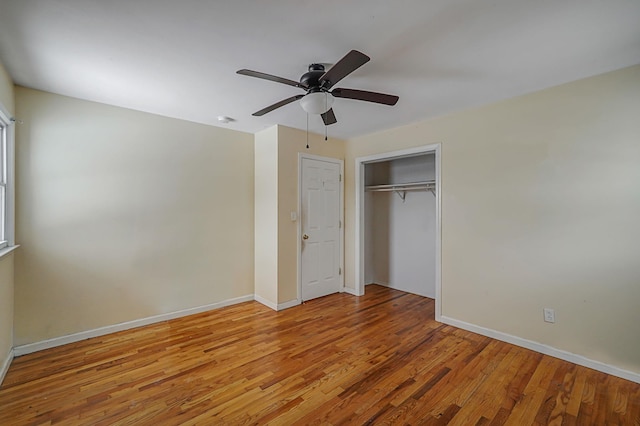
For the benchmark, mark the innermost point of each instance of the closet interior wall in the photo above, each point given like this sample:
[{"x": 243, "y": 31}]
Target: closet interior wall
[{"x": 400, "y": 234}]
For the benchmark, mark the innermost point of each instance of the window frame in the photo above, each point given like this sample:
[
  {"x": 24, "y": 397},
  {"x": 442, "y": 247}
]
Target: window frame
[{"x": 7, "y": 200}]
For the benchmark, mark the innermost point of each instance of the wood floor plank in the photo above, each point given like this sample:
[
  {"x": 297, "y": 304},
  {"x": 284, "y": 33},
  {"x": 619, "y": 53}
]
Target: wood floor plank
[{"x": 339, "y": 360}]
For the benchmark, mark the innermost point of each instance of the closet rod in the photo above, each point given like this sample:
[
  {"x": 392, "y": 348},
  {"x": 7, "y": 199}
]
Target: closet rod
[
  {"x": 402, "y": 188},
  {"x": 413, "y": 186}
]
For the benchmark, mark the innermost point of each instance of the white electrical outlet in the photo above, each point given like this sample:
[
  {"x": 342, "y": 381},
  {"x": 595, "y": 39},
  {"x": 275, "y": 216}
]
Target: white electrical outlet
[{"x": 549, "y": 315}]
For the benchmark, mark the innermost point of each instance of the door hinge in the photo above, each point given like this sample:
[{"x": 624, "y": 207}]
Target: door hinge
[
  {"x": 339, "y": 271},
  {"x": 339, "y": 224},
  {"x": 340, "y": 177}
]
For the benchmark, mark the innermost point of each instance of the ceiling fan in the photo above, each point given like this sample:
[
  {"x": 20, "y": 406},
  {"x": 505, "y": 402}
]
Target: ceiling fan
[{"x": 318, "y": 83}]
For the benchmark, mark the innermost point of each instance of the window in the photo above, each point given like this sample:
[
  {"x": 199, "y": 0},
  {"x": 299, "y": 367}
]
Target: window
[
  {"x": 6, "y": 179},
  {"x": 3, "y": 185}
]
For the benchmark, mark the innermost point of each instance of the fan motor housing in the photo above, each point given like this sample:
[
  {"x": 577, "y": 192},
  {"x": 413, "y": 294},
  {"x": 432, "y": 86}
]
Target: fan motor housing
[{"x": 312, "y": 78}]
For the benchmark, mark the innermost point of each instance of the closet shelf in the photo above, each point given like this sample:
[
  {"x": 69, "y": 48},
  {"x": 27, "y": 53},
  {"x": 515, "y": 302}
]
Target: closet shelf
[{"x": 402, "y": 188}]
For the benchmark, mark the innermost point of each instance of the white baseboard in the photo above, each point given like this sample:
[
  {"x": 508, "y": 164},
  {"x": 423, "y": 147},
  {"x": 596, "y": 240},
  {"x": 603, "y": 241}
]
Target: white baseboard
[
  {"x": 390, "y": 285},
  {"x": 289, "y": 304},
  {"x": 76, "y": 337},
  {"x": 350, "y": 290},
  {"x": 5, "y": 366},
  {"x": 276, "y": 306},
  {"x": 384, "y": 283},
  {"x": 544, "y": 349},
  {"x": 265, "y": 302}
]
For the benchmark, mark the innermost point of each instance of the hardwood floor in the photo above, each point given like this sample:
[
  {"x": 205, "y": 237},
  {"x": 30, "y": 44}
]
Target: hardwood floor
[{"x": 378, "y": 359}]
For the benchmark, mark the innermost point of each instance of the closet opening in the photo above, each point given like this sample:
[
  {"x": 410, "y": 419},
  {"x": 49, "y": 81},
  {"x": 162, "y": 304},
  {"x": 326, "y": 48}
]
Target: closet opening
[{"x": 398, "y": 232}]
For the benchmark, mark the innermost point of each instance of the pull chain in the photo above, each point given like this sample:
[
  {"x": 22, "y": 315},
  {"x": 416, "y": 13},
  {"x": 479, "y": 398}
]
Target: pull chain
[
  {"x": 326, "y": 110},
  {"x": 307, "y": 130}
]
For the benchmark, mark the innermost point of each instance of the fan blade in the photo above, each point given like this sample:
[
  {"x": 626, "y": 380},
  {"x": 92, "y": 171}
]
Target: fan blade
[
  {"x": 345, "y": 66},
  {"x": 329, "y": 118},
  {"x": 363, "y": 95},
  {"x": 270, "y": 77},
  {"x": 277, "y": 105}
]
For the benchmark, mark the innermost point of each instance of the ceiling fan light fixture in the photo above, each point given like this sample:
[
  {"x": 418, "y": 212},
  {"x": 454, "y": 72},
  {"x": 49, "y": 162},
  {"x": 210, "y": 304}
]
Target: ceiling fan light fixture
[
  {"x": 318, "y": 85},
  {"x": 317, "y": 102}
]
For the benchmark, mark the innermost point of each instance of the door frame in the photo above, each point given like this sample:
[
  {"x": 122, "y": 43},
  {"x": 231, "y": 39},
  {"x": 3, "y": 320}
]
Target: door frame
[
  {"x": 360, "y": 163},
  {"x": 302, "y": 156}
]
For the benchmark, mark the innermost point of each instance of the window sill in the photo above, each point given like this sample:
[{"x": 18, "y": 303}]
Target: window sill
[{"x": 5, "y": 251}]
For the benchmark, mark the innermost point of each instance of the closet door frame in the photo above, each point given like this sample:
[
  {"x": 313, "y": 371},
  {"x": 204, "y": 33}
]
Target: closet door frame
[{"x": 360, "y": 163}]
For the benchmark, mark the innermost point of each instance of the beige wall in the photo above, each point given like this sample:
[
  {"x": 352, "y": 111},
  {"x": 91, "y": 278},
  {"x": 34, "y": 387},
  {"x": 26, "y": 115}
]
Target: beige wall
[
  {"x": 6, "y": 262},
  {"x": 540, "y": 208},
  {"x": 6, "y": 307},
  {"x": 276, "y": 180},
  {"x": 266, "y": 215},
  {"x": 291, "y": 142},
  {"x": 122, "y": 215}
]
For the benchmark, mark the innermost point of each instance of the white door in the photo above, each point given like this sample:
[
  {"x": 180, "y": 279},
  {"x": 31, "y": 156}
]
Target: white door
[{"x": 320, "y": 230}]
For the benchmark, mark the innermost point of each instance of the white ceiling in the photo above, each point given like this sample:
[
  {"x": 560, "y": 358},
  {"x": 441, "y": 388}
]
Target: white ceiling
[{"x": 179, "y": 58}]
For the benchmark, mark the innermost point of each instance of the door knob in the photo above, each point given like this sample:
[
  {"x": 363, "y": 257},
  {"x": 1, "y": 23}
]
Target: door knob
[{"x": 305, "y": 237}]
